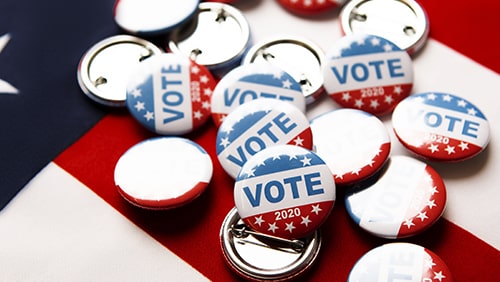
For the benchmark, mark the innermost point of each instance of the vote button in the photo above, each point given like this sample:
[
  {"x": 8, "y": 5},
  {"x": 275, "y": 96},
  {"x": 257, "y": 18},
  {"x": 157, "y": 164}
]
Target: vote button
[
  {"x": 284, "y": 191},
  {"x": 256, "y": 125},
  {"x": 441, "y": 126},
  {"x": 367, "y": 72},
  {"x": 170, "y": 94},
  {"x": 400, "y": 262}
]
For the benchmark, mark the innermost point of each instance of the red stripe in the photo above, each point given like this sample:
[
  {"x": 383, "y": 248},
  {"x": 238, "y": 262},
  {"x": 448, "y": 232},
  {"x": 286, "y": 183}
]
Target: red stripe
[
  {"x": 468, "y": 27},
  {"x": 192, "y": 231}
]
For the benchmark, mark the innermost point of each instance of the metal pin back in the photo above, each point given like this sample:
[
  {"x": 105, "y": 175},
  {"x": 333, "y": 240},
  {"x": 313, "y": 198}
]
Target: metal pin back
[
  {"x": 256, "y": 256},
  {"x": 404, "y": 22},
  {"x": 104, "y": 69}
]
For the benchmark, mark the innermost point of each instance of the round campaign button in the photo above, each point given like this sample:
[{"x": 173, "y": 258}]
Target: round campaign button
[
  {"x": 151, "y": 17},
  {"x": 403, "y": 22},
  {"x": 104, "y": 69},
  {"x": 163, "y": 172},
  {"x": 400, "y": 262},
  {"x": 299, "y": 57},
  {"x": 367, "y": 72},
  {"x": 441, "y": 126},
  {"x": 256, "y": 125},
  {"x": 170, "y": 94},
  {"x": 252, "y": 81},
  {"x": 255, "y": 256},
  {"x": 406, "y": 199},
  {"x": 353, "y": 143},
  {"x": 284, "y": 191},
  {"x": 310, "y": 7},
  {"x": 216, "y": 39}
]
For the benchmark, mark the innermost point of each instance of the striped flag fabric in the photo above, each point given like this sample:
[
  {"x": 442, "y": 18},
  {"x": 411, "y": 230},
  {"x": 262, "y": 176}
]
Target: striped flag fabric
[{"x": 62, "y": 218}]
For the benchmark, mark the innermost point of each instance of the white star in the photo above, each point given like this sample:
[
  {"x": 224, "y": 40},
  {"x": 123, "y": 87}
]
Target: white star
[
  {"x": 433, "y": 190},
  {"x": 198, "y": 115},
  {"x": 339, "y": 176},
  {"x": 461, "y": 103},
  {"x": 305, "y": 221},
  {"x": 149, "y": 115},
  {"x": 139, "y": 106},
  {"x": 419, "y": 99},
  {"x": 439, "y": 276},
  {"x": 471, "y": 111},
  {"x": 359, "y": 103},
  {"x": 398, "y": 90},
  {"x": 433, "y": 147},
  {"x": 316, "y": 209},
  {"x": 277, "y": 157},
  {"x": 360, "y": 41},
  {"x": 346, "y": 96},
  {"x": 431, "y": 96},
  {"x": 389, "y": 99},
  {"x": 290, "y": 227},
  {"x": 205, "y": 105},
  {"x": 292, "y": 156},
  {"x": 387, "y": 47},
  {"x": 136, "y": 93},
  {"x": 5, "y": 87},
  {"x": 277, "y": 74},
  {"x": 204, "y": 79},
  {"x": 272, "y": 227},
  {"x": 287, "y": 84},
  {"x": 375, "y": 41},
  {"x": 259, "y": 220},
  {"x": 450, "y": 149},
  {"x": 298, "y": 141},
  {"x": 430, "y": 204},
  {"x": 306, "y": 161},
  {"x": 374, "y": 104},
  {"x": 422, "y": 216},
  {"x": 409, "y": 223},
  {"x": 224, "y": 142},
  {"x": 207, "y": 91},
  {"x": 464, "y": 146},
  {"x": 195, "y": 69},
  {"x": 250, "y": 173},
  {"x": 429, "y": 263},
  {"x": 356, "y": 171},
  {"x": 447, "y": 98}
]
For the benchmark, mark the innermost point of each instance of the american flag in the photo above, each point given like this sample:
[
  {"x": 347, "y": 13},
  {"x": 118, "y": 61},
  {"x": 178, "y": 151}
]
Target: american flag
[{"x": 62, "y": 218}]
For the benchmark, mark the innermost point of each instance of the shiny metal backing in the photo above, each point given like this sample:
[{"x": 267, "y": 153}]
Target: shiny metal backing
[
  {"x": 301, "y": 58},
  {"x": 262, "y": 258},
  {"x": 104, "y": 69},
  {"x": 404, "y": 22},
  {"x": 216, "y": 38}
]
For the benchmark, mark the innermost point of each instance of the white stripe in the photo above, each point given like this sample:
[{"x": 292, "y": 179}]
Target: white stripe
[{"x": 58, "y": 230}]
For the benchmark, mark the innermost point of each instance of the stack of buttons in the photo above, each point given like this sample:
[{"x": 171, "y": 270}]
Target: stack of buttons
[{"x": 285, "y": 169}]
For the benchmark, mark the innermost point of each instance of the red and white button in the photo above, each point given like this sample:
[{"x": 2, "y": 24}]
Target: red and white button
[
  {"x": 353, "y": 143},
  {"x": 400, "y": 262},
  {"x": 368, "y": 73},
  {"x": 284, "y": 191},
  {"x": 170, "y": 94},
  {"x": 441, "y": 126},
  {"x": 256, "y": 125},
  {"x": 405, "y": 200},
  {"x": 310, "y": 7},
  {"x": 252, "y": 81},
  {"x": 163, "y": 172}
]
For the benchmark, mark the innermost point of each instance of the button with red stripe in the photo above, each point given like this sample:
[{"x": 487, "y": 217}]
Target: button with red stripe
[
  {"x": 251, "y": 81},
  {"x": 284, "y": 191},
  {"x": 404, "y": 200},
  {"x": 368, "y": 73},
  {"x": 441, "y": 126},
  {"x": 310, "y": 7},
  {"x": 163, "y": 172},
  {"x": 170, "y": 94},
  {"x": 353, "y": 143},
  {"x": 256, "y": 125},
  {"x": 400, "y": 262}
]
